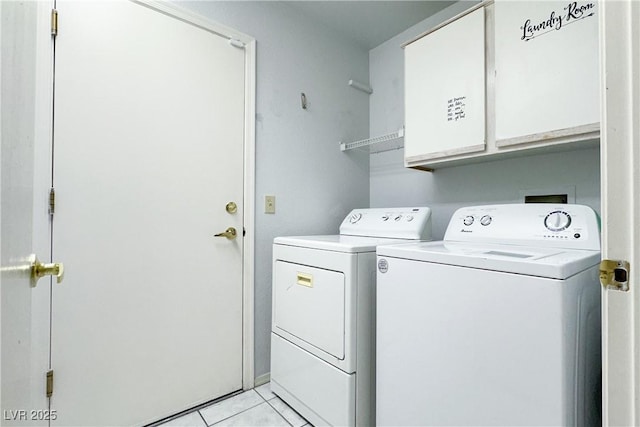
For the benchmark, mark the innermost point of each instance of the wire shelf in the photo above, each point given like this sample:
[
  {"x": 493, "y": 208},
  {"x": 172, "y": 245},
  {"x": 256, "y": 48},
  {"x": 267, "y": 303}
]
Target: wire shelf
[{"x": 345, "y": 146}]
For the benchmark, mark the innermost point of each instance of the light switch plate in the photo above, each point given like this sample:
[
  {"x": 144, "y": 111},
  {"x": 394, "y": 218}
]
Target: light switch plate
[{"x": 270, "y": 204}]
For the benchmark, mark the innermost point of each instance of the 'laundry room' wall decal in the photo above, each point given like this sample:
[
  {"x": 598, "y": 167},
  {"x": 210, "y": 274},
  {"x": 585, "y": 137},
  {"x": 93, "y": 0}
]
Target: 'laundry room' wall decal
[{"x": 556, "y": 21}]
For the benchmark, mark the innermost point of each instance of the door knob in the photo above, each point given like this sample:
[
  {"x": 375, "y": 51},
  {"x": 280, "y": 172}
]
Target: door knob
[
  {"x": 230, "y": 233},
  {"x": 39, "y": 270}
]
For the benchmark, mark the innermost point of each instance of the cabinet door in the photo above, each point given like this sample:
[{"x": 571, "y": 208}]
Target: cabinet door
[
  {"x": 445, "y": 91},
  {"x": 546, "y": 70}
]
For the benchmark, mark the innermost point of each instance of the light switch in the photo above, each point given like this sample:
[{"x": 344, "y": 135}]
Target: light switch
[{"x": 270, "y": 204}]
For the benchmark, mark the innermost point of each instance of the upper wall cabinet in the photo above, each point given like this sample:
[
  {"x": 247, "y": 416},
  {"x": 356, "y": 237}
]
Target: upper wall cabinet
[
  {"x": 546, "y": 65},
  {"x": 505, "y": 78},
  {"x": 444, "y": 91}
]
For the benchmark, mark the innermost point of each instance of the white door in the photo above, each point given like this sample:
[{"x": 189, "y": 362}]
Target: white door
[
  {"x": 620, "y": 157},
  {"x": 16, "y": 200},
  {"x": 148, "y": 150}
]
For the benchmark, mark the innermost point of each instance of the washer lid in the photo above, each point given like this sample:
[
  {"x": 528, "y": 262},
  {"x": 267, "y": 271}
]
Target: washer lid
[
  {"x": 337, "y": 242},
  {"x": 555, "y": 263}
]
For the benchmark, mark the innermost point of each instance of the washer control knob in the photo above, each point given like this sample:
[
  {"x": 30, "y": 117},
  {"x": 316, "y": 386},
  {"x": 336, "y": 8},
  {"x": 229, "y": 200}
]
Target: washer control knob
[
  {"x": 468, "y": 220},
  {"x": 409, "y": 218},
  {"x": 557, "y": 221},
  {"x": 486, "y": 220},
  {"x": 355, "y": 218},
  {"x": 398, "y": 217},
  {"x": 385, "y": 217}
]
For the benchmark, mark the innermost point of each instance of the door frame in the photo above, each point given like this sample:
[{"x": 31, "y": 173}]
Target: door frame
[
  {"x": 43, "y": 176},
  {"x": 620, "y": 182}
]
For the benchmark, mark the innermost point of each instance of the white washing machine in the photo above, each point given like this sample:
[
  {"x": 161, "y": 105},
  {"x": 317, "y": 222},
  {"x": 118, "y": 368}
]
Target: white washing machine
[
  {"x": 499, "y": 324},
  {"x": 323, "y": 318}
]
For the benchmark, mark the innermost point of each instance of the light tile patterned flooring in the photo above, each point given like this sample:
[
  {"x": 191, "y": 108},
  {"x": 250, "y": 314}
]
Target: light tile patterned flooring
[{"x": 253, "y": 408}]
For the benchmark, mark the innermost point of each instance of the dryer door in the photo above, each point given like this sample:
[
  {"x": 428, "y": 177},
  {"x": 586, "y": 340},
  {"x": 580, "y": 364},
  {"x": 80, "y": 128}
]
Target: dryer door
[{"x": 309, "y": 303}]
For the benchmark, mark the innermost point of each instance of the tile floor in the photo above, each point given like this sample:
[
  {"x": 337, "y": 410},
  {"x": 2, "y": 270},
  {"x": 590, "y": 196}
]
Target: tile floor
[{"x": 253, "y": 408}]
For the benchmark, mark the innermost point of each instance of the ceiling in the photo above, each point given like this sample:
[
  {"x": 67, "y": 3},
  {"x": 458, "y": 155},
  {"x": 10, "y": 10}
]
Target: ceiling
[{"x": 369, "y": 23}]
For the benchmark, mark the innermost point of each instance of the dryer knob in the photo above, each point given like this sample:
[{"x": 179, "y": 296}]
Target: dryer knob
[
  {"x": 355, "y": 218},
  {"x": 468, "y": 220}
]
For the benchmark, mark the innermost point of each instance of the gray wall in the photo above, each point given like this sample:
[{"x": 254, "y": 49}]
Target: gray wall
[
  {"x": 297, "y": 153},
  {"x": 506, "y": 181}
]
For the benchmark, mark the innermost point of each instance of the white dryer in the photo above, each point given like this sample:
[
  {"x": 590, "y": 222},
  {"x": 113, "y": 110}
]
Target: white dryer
[
  {"x": 499, "y": 324},
  {"x": 323, "y": 318}
]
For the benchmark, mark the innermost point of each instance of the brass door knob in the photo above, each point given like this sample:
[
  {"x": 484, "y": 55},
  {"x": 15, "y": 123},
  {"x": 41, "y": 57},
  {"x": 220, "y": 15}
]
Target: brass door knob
[
  {"x": 230, "y": 233},
  {"x": 39, "y": 270}
]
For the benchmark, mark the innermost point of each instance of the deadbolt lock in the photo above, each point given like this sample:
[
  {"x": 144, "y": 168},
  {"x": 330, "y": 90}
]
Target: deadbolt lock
[
  {"x": 614, "y": 274},
  {"x": 231, "y": 207}
]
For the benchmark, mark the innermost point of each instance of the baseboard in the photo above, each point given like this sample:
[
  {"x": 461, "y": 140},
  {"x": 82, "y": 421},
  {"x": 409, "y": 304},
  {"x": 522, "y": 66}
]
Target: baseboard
[{"x": 262, "y": 379}]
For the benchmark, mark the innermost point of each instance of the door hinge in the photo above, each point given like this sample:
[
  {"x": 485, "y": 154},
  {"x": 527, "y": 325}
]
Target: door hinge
[
  {"x": 54, "y": 22},
  {"x": 52, "y": 201},
  {"x": 614, "y": 274},
  {"x": 49, "y": 383}
]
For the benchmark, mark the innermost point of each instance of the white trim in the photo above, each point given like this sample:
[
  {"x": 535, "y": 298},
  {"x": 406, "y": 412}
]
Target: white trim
[
  {"x": 248, "y": 333},
  {"x": 193, "y": 18},
  {"x": 417, "y": 160},
  {"x": 620, "y": 157},
  {"x": 577, "y": 133}
]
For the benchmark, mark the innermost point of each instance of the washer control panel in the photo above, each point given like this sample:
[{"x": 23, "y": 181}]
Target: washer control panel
[
  {"x": 567, "y": 226},
  {"x": 397, "y": 223}
]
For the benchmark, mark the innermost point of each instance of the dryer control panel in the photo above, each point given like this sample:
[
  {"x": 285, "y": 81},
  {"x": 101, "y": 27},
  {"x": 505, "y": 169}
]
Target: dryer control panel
[
  {"x": 532, "y": 224},
  {"x": 395, "y": 223}
]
